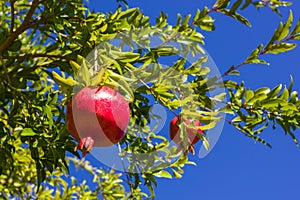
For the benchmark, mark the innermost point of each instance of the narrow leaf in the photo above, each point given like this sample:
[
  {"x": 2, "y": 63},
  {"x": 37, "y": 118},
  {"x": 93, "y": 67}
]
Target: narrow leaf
[
  {"x": 280, "y": 48},
  {"x": 296, "y": 30},
  {"x": 163, "y": 174},
  {"x": 28, "y": 132},
  {"x": 236, "y": 5},
  {"x": 236, "y": 16},
  {"x": 286, "y": 27}
]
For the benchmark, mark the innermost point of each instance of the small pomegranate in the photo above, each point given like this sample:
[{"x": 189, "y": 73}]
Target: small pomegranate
[
  {"x": 191, "y": 133},
  {"x": 97, "y": 116}
]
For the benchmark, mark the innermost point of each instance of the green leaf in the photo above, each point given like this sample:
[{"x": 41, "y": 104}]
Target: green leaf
[
  {"x": 280, "y": 48},
  {"x": 220, "y": 4},
  {"x": 65, "y": 84},
  {"x": 47, "y": 111},
  {"x": 206, "y": 144},
  {"x": 263, "y": 90},
  {"x": 207, "y": 26},
  {"x": 277, "y": 3},
  {"x": 249, "y": 95},
  {"x": 59, "y": 26},
  {"x": 253, "y": 57},
  {"x": 257, "y": 98},
  {"x": 208, "y": 126},
  {"x": 237, "y": 16},
  {"x": 260, "y": 140},
  {"x": 286, "y": 128},
  {"x": 221, "y": 96},
  {"x": 284, "y": 95},
  {"x": 185, "y": 21},
  {"x": 294, "y": 138},
  {"x": 165, "y": 50},
  {"x": 204, "y": 21},
  {"x": 296, "y": 30},
  {"x": 108, "y": 36},
  {"x": 98, "y": 78},
  {"x": 288, "y": 107},
  {"x": 176, "y": 174},
  {"x": 28, "y": 132},
  {"x": 262, "y": 128},
  {"x": 127, "y": 13},
  {"x": 162, "y": 174},
  {"x": 84, "y": 75},
  {"x": 234, "y": 72},
  {"x": 230, "y": 84},
  {"x": 28, "y": 75},
  {"x": 151, "y": 191},
  {"x": 124, "y": 25},
  {"x": 286, "y": 28},
  {"x": 246, "y": 4},
  {"x": 15, "y": 46},
  {"x": 294, "y": 97},
  {"x": 258, "y": 61},
  {"x": 291, "y": 84},
  {"x": 104, "y": 27},
  {"x": 126, "y": 57},
  {"x": 75, "y": 66},
  {"x": 274, "y": 92},
  {"x": 236, "y": 5},
  {"x": 275, "y": 36},
  {"x": 161, "y": 21},
  {"x": 174, "y": 104},
  {"x": 120, "y": 83},
  {"x": 271, "y": 104}
]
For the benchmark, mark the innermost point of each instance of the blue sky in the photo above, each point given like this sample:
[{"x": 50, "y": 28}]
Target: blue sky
[{"x": 237, "y": 168}]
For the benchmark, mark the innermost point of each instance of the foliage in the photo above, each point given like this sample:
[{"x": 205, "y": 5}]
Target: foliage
[{"x": 44, "y": 47}]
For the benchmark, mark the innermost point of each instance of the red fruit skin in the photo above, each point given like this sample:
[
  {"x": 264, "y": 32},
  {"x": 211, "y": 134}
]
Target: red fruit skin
[
  {"x": 100, "y": 113},
  {"x": 175, "y": 132}
]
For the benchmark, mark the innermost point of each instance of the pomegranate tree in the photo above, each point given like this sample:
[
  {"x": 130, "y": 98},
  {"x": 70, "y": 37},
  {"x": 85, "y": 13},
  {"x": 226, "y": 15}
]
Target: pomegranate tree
[{"x": 97, "y": 116}]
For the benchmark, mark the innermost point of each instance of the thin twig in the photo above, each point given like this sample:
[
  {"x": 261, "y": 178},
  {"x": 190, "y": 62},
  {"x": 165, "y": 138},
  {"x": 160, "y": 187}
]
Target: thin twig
[
  {"x": 233, "y": 69},
  {"x": 50, "y": 36}
]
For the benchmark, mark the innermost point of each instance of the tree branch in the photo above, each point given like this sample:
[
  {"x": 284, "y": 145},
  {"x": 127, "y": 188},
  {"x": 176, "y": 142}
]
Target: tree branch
[
  {"x": 12, "y": 8},
  {"x": 26, "y": 24}
]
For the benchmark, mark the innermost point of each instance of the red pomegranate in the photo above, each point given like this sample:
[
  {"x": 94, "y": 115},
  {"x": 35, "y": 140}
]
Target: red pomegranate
[
  {"x": 191, "y": 133},
  {"x": 97, "y": 116}
]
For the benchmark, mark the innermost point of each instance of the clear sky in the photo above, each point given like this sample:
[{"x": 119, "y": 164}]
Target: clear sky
[{"x": 237, "y": 168}]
